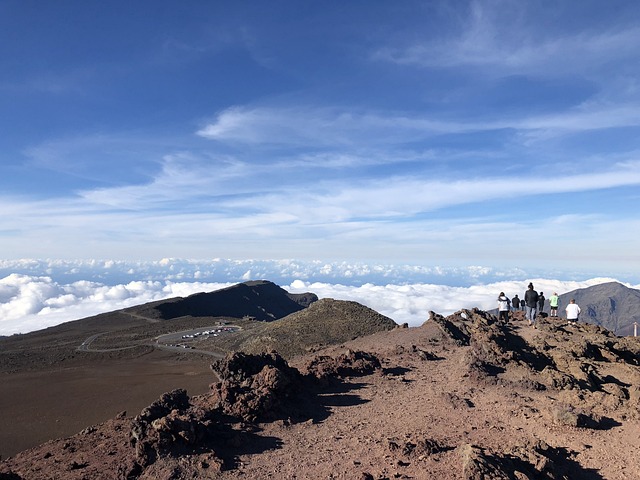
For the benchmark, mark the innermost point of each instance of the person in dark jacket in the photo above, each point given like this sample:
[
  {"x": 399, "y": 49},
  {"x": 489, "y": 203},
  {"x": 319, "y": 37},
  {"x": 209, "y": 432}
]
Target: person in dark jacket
[
  {"x": 541, "y": 300},
  {"x": 531, "y": 304},
  {"x": 515, "y": 303}
]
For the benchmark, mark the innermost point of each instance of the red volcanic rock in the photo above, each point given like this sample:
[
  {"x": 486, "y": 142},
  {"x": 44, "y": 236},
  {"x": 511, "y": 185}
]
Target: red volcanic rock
[
  {"x": 460, "y": 397},
  {"x": 254, "y": 387},
  {"x": 349, "y": 364}
]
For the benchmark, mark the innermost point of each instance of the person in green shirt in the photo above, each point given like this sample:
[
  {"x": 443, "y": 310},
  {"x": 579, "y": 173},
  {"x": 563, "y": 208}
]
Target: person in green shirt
[{"x": 553, "y": 303}]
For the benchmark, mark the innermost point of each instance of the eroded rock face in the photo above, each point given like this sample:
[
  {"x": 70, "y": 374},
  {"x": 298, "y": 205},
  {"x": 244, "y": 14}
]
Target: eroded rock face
[
  {"x": 350, "y": 364},
  {"x": 534, "y": 461},
  {"x": 264, "y": 387},
  {"x": 171, "y": 426},
  {"x": 588, "y": 365},
  {"x": 254, "y": 387}
]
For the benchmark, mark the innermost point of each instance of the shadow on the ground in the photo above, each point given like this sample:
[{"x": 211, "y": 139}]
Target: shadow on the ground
[
  {"x": 315, "y": 402},
  {"x": 236, "y": 443},
  {"x": 532, "y": 462},
  {"x": 563, "y": 463},
  {"x": 312, "y": 404},
  {"x": 395, "y": 371},
  {"x": 341, "y": 400},
  {"x": 614, "y": 380},
  {"x": 525, "y": 352},
  {"x": 606, "y": 423}
]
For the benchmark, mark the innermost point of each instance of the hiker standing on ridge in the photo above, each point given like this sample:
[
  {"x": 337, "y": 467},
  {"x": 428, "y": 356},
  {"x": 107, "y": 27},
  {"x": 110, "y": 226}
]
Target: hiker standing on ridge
[
  {"x": 573, "y": 310},
  {"x": 515, "y": 302},
  {"x": 553, "y": 304},
  {"x": 541, "y": 300},
  {"x": 531, "y": 303},
  {"x": 503, "y": 308}
]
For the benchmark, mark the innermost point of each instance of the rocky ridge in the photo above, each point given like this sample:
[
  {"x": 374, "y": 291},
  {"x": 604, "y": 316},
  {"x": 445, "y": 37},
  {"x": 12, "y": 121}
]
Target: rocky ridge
[
  {"x": 461, "y": 397},
  {"x": 611, "y": 305}
]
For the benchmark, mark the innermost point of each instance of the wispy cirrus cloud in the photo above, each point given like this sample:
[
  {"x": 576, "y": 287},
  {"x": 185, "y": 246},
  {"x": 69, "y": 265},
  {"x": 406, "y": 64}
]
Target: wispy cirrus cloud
[
  {"x": 339, "y": 128},
  {"x": 503, "y": 38},
  {"x": 322, "y": 126},
  {"x": 212, "y": 196}
]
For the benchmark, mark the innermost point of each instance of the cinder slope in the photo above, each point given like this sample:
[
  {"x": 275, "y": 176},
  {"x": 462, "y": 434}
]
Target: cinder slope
[
  {"x": 57, "y": 380},
  {"x": 325, "y": 322},
  {"x": 461, "y": 397}
]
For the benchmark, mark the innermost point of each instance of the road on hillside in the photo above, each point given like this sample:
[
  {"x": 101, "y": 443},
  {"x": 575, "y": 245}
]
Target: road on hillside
[
  {"x": 176, "y": 341},
  {"x": 183, "y": 340}
]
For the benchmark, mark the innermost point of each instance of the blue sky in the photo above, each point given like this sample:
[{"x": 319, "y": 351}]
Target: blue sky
[{"x": 500, "y": 133}]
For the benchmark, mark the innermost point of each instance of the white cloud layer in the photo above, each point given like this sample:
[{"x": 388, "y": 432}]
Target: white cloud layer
[{"x": 34, "y": 302}]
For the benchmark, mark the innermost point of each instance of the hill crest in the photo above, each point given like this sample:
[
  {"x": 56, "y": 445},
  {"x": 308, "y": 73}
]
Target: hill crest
[{"x": 259, "y": 299}]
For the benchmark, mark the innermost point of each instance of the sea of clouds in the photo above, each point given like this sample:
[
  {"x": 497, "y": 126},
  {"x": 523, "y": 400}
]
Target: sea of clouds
[{"x": 36, "y": 294}]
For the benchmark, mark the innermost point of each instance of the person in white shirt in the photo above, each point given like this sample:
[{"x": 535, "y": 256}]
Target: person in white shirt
[
  {"x": 504, "y": 305},
  {"x": 573, "y": 310}
]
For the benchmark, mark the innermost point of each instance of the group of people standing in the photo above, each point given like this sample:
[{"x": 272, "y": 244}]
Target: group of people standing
[{"x": 533, "y": 304}]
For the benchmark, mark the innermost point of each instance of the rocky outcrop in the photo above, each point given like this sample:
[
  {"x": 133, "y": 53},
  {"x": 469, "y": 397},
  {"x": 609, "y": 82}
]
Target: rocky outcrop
[
  {"x": 587, "y": 364},
  {"x": 172, "y": 427},
  {"x": 254, "y": 387},
  {"x": 350, "y": 364}
]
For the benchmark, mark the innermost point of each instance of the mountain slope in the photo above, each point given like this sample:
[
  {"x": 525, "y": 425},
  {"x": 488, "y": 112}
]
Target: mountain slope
[
  {"x": 260, "y": 299},
  {"x": 610, "y": 305},
  {"x": 458, "y": 398},
  {"x": 325, "y": 322},
  {"x": 58, "y": 380}
]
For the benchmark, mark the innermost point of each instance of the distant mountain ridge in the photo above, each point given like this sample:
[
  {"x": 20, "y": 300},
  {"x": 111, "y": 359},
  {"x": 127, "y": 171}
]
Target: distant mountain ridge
[
  {"x": 260, "y": 299},
  {"x": 611, "y": 305}
]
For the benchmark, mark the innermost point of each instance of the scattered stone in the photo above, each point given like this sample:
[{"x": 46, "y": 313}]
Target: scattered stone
[{"x": 570, "y": 417}]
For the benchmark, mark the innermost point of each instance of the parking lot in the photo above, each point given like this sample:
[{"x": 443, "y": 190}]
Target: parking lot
[{"x": 187, "y": 339}]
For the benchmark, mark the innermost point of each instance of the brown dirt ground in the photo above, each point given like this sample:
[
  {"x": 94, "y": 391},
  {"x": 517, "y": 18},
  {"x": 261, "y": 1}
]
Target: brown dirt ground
[
  {"x": 374, "y": 421},
  {"x": 431, "y": 400},
  {"x": 42, "y": 405}
]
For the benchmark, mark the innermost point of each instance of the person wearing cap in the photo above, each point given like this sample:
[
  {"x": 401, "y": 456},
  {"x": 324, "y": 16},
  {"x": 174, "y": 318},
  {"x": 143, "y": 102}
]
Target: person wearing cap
[{"x": 553, "y": 305}]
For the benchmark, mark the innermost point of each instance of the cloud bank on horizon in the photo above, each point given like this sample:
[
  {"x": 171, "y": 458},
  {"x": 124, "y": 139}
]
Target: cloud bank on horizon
[
  {"x": 453, "y": 133},
  {"x": 39, "y": 294}
]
